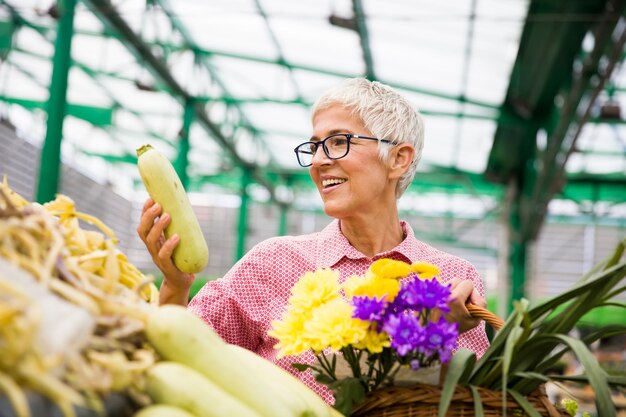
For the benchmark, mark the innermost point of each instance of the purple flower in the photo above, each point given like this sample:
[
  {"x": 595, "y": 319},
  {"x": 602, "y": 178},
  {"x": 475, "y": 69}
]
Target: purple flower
[
  {"x": 368, "y": 308},
  {"x": 424, "y": 294},
  {"x": 440, "y": 338},
  {"x": 405, "y": 332}
]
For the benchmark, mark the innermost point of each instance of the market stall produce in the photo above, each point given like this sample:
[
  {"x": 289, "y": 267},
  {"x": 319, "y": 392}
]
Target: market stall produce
[
  {"x": 72, "y": 309},
  {"x": 81, "y": 333}
]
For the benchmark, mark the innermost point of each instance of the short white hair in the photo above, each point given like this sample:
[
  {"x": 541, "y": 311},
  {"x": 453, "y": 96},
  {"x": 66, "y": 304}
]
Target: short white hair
[{"x": 385, "y": 113}]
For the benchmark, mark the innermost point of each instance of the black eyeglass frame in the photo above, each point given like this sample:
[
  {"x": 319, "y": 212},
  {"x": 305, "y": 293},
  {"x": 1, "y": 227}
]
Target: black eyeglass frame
[{"x": 299, "y": 149}]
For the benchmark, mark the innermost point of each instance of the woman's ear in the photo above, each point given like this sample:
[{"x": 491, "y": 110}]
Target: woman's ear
[{"x": 400, "y": 159}]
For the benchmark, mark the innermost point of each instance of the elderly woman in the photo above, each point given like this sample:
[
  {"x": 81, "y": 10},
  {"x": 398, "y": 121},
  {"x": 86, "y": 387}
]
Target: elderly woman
[{"x": 362, "y": 155}]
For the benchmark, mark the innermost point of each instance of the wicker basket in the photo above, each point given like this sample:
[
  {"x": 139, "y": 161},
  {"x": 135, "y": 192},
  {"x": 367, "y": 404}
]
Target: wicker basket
[{"x": 422, "y": 400}]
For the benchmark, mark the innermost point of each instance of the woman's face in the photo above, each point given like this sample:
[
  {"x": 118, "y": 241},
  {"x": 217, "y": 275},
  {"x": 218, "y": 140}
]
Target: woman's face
[{"x": 358, "y": 183}]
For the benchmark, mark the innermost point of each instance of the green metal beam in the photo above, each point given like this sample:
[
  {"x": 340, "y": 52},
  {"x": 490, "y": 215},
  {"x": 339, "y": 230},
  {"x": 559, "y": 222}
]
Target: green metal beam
[
  {"x": 97, "y": 116},
  {"x": 361, "y": 28},
  {"x": 50, "y": 163},
  {"x": 126, "y": 158},
  {"x": 242, "y": 224},
  {"x": 7, "y": 30},
  {"x": 282, "y": 219},
  {"x": 517, "y": 246},
  {"x": 182, "y": 160}
]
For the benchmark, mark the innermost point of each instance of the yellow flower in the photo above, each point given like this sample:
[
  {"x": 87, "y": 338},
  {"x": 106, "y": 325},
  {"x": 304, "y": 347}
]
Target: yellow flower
[
  {"x": 371, "y": 285},
  {"x": 289, "y": 333},
  {"x": 352, "y": 284},
  {"x": 390, "y": 268},
  {"x": 314, "y": 289},
  {"x": 373, "y": 341},
  {"x": 424, "y": 269},
  {"x": 332, "y": 325}
]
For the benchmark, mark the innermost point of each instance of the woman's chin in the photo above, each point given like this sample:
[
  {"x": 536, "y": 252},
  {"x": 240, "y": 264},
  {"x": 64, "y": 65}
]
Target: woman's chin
[{"x": 334, "y": 211}]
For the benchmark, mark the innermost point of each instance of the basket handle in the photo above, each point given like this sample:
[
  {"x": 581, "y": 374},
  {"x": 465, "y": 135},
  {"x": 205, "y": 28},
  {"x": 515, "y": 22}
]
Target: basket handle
[{"x": 482, "y": 313}]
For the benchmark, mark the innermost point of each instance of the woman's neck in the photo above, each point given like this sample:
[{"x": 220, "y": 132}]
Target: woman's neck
[{"x": 375, "y": 235}]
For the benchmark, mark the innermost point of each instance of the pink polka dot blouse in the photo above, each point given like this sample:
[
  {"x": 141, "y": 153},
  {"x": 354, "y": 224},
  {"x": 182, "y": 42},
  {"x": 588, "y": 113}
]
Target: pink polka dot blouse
[{"x": 241, "y": 305}]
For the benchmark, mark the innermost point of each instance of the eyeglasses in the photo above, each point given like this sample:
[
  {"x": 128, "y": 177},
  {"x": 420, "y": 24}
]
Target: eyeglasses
[{"x": 335, "y": 147}]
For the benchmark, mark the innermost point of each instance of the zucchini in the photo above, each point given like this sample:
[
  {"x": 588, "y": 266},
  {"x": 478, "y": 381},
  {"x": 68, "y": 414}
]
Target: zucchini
[
  {"x": 180, "y": 386},
  {"x": 180, "y": 336},
  {"x": 162, "y": 410},
  {"x": 164, "y": 186}
]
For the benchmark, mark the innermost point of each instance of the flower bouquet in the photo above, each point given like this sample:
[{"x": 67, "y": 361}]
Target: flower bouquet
[
  {"x": 377, "y": 333},
  {"x": 379, "y": 327}
]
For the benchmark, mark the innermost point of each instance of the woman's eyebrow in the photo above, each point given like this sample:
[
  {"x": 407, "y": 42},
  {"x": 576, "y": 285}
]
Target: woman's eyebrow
[
  {"x": 335, "y": 131},
  {"x": 330, "y": 133}
]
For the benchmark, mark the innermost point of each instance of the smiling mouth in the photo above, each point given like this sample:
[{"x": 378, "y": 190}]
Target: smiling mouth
[{"x": 331, "y": 182}]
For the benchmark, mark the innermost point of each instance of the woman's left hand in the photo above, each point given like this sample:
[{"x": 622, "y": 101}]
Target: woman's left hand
[{"x": 463, "y": 292}]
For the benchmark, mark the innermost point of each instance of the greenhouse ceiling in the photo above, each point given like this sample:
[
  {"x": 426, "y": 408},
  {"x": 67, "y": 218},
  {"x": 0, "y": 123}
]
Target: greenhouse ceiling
[{"x": 519, "y": 97}]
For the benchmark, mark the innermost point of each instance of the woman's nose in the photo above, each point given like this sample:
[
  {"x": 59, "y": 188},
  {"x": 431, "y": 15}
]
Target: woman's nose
[{"x": 320, "y": 157}]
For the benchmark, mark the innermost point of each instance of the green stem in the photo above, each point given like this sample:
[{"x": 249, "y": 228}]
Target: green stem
[
  {"x": 323, "y": 360},
  {"x": 385, "y": 364},
  {"x": 353, "y": 361}
]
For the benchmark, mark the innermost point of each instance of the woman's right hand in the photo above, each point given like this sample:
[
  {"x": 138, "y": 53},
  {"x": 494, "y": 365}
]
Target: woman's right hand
[{"x": 151, "y": 231}]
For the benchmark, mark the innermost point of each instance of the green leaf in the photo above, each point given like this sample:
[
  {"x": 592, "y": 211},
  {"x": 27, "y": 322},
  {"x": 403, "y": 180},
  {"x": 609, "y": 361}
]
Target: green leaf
[
  {"x": 618, "y": 380},
  {"x": 614, "y": 303},
  {"x": 604, "y": 332},
  {"x": 491, "y": 358},
  {"x": 535, "y": 375},
  {"x": 597, "y": 376},
  {"x": 507, "y": 354},
  {"x": 459, "y": 370},
  {"x": 523, "y": 402},
  {"x": 348, "y": 392},
  {"x": 490, "y": 375},
  {"x": 321, "y": 375},
  {"x": 301, "y": 366},
  {"x": 478, "y": 404},
  {"x": 617, "y": 254},
  {"x": 324, "y": 379}
]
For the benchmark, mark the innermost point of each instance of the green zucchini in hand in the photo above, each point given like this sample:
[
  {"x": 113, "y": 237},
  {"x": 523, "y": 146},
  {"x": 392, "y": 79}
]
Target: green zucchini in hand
[{"x": 164, "y": 187}]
